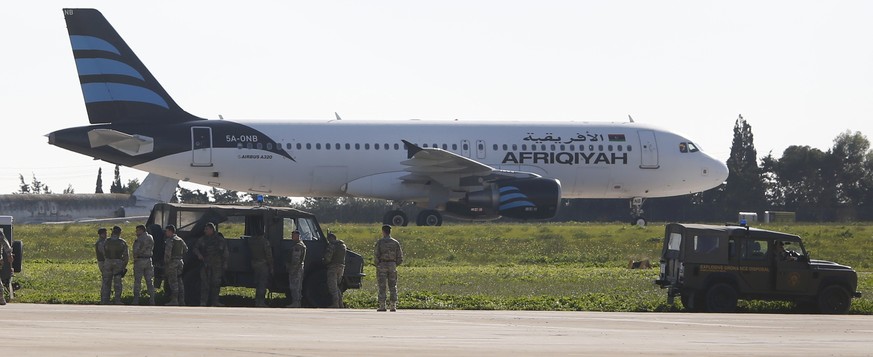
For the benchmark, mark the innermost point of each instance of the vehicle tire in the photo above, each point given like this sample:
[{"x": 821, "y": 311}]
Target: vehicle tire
[
  {"x": 315, "y": 292},
  {"x": 721, "y": 298},
  {"x": 639, "y": 222},
  {"x": 834, "y": 299},
  {"x": 395, "y": 218},
  {"x": 429, "y": 217}
]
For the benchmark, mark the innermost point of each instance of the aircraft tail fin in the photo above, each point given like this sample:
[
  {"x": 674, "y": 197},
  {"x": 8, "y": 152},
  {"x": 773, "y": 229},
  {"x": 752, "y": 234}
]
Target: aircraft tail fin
[
  {"x": 116, "y": 85},
  {"x": 156, "y": 188}
]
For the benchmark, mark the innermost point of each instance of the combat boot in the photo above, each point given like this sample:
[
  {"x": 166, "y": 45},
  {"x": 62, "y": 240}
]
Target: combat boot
[
  {"x": 392, "y": 306},
  {"x": 173, "y": 302},
  {"x": 135, "y": 301},
  {"x": 381, "y": 307}
]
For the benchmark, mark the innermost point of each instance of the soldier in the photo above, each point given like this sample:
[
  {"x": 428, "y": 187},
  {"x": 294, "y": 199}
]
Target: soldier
[
  {"x": 335, "y": 260},
  {"x": 143, "y": 248},
  {"x": 101, "y": 257},
  {"x": 211, "y": 249},
  {"x": 262, "y": 266},
  {"x": 174, "y": 255},
  {"x": 114, "y": 266},
  {"x": 294, "y": 265},
  {"x": 388, "y": 256},
  {"x": 6, "y": 259}
]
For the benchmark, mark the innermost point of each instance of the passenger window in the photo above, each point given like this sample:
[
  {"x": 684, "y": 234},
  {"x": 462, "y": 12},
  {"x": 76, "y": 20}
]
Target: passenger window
[
  {"x": 562, "y": 147},
  {"x": 553, "y": 147},
  {"x": 481, "y": 147},
  {"x": 396, "y": 146},
  {"x": 514, "y": 146},
  {"x": 387, "y": 147},
  {"x": 239, "y": 145},
  {"x": 466, "y": 146},
  {"x": 260, "y": 146},
  {"x": 629, "y": 148},
  {"x": 590, "y": 147},
  {"x": 524, "y": 146},
  {"x": 445, "y": 146},
  {"x": 599, "y": 147},
  {"x": 367, "y": 146},
  {"x": 317, "y": 146},
  {"x": 455, "y": 147},
  {"x": 705, "y": 244},
  {"x": 495, "y": 147},
  {"x": 270, "y": 146},
  {"x": 308, "y": 146},
  {"x": 376, "y": 146},
  {"x": 505, "y": 147},
  {"x": 573, "y": 147},
  {"x": 327, "y": 146},
  {"x": 249, "y": 145},
  {"x": 754, "y": 250},
  {"x": 619, "y": 147},
  {"x": 348, "y": 146},
  {"x": 609, "y": 147}
]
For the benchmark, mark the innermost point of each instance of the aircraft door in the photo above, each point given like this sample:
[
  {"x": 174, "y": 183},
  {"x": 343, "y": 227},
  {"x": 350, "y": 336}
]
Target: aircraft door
[
  {"x": 480, "y": 149},
  {"x": 648, "y": 150},
  {"x": 201, "y": 146},
  {"x": 465, "y": 148}
]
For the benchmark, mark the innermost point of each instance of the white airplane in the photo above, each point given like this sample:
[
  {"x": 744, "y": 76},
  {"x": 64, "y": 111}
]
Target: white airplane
[{"x": 471, "y": 170}]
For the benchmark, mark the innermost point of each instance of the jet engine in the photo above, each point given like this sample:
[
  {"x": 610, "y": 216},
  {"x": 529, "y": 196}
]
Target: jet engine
[{"x": 535, "y": 198}]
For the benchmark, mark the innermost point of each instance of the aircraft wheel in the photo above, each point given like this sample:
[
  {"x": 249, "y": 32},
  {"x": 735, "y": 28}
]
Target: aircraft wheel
[
  {"x": 395, "y": 218},
  {"x": 429, "y": 217},
  {"x": 834, "y": 299},
  {"x": 639, "y": 221}
]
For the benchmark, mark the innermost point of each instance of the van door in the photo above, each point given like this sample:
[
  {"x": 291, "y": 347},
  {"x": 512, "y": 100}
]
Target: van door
[{"x": 201, "y": 146}]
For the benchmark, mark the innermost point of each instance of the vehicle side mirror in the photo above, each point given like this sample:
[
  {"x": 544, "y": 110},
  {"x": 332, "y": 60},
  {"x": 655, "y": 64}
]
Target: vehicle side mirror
[{"x": 803, "y": 258}]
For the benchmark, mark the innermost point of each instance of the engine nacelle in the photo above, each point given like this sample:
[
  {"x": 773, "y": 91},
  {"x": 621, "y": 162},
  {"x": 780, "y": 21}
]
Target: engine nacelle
[{"x": 536, "y": 198}]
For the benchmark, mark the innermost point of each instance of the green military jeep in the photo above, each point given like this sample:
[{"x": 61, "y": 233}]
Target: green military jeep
[
  {"x": 710, "y": 267},
  {"x": 237, "y": 224}
]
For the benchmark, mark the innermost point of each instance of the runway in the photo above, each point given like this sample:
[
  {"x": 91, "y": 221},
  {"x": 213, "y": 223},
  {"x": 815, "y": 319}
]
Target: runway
[{"x": 89, "y": 330}]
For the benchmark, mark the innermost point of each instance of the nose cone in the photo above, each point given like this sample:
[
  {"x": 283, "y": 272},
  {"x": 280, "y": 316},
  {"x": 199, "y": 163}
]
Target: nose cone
[{"x": 718, "y": 172}]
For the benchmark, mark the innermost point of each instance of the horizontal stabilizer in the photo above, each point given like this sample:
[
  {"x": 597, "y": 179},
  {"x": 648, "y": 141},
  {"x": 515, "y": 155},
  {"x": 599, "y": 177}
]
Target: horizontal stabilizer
[{"x": 130, "y": 144}]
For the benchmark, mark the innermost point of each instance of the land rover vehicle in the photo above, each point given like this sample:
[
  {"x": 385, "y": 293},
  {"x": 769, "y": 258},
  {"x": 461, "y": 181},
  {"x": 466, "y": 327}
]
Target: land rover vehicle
[
  {"x": 8, "y": 268},
  {"x": 237, "y": 224},
  {"x": 710, "y": 267}
]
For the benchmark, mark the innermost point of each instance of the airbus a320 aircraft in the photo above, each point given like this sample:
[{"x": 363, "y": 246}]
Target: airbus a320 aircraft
[{"x": 470, "y": 170}]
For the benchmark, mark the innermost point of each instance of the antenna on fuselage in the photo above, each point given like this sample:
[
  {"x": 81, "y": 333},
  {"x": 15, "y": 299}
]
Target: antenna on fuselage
[{"x": 220, "y": 117}]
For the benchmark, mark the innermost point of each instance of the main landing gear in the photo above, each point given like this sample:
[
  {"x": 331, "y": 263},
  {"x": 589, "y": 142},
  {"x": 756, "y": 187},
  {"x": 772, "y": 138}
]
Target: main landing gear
[
  {"x": 428, "y": 217},
  {"x": 636, "y": 204}
]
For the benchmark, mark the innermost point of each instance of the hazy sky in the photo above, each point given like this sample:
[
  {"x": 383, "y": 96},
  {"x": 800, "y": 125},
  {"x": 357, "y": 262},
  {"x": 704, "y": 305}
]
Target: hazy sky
[{"x": 800, "y": 72}]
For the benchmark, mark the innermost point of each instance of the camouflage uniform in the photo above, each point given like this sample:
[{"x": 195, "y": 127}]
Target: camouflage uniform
[
  {"x": 262, "y": 266},
  {"x": 294, "y": 265},
  {"x": 101, "y": 261},
  {"x": 143, "y": 248},
  {"x": 335, "y": 260},
  {"x": 6, "y": 257},
  {"x": 174, "y": 255},
  {"x": 387, "y": 257},
  {"x": 212, "y": 251},
  {"x": 114, "y": 268}
]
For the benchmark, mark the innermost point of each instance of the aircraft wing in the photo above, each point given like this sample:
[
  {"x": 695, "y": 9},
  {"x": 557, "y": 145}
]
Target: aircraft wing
[
  {"x": 451, "y": 170},
  {"x": 127, "y": 143}
]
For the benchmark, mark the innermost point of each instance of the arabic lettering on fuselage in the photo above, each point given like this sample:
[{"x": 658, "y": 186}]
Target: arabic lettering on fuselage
[{"x": 550, "y": 137}]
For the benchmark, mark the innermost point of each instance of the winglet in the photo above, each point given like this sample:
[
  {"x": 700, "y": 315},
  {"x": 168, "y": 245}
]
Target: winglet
[{"x": 411, "y": 149}]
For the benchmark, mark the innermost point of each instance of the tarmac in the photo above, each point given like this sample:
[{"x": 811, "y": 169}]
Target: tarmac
[{"x": 93, "y": 330}]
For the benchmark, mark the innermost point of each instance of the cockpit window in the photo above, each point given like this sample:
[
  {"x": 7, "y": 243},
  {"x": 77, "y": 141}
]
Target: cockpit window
[{"x": 688, "y": 147}]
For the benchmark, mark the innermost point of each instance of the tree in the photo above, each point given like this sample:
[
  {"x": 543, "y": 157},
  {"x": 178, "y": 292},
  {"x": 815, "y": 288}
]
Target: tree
[
  {"x": 132, "y": 185},
  {"x": 192, "y": 196},
  {"x": 224, "y": 196},
  {"x": 744, "y": 187},
  {"x": 69, "y": 190},
  {"x": 99, "y": 188},
  {"x": 798, "y": 182},
  {"x": 850, "y": 174},
  {"x": 116, "y": 186},
  {"x": 23, "y": 187}
]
